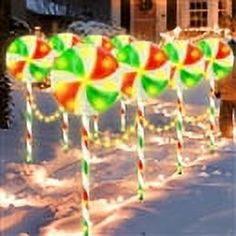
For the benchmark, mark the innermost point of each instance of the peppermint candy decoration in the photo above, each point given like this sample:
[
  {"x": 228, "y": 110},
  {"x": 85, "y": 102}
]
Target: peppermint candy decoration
[
  {"x": 28, "y": 59},
  {"x": 83, "y": 80},
  {"x": 219, "y": 57},
  {"x": 148, "y": 70},
  {"x": 120, "y": 41},
  {"x": 99, "y": 41},
  {"x": 63, "y": 41},
  {"x": 187, "y": 61}
]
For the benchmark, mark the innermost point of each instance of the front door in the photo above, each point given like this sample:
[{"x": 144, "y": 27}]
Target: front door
[
  {"x": 171, "y": 14},
  {"x": 144, "y": 19},
  {"x": 125, "y": 14}
]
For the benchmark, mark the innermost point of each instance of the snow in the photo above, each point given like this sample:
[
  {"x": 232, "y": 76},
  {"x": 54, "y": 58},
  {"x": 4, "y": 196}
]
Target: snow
[
  {"x": 83, "y": 28},
  {"x": 44, "y": 198},
  {"x": 48, "y": 7}
]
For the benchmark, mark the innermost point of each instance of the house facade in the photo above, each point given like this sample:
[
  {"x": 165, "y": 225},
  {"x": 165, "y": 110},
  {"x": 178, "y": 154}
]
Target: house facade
[
  {"x": 163, "y": 15},
  {"x": 141, "y": 18}
]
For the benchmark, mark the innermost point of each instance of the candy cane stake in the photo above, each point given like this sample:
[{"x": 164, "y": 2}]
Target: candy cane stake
[
  {"x": 123, "y": 115},
  {"x": 95, "y": 126},
  {"x": 85, "y": 172},
  {"x": 140, "y": 147},
  {"x": 65, "y": 130},
  {"x": 29, "y": 122},
  {"x": 179, "y": 127},
  {"x": 212, "y": 113}
]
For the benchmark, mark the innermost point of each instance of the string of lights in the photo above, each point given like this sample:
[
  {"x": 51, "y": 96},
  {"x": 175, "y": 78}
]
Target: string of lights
[
  {"x": 45, "y": 118},
  {"x": 107, "y": 142}
]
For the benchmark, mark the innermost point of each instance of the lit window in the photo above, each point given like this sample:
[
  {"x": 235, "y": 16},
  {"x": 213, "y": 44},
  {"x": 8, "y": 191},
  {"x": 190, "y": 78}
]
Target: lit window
[
  {"x": 198, "y": 13},
  {"x": 221, "y": 9}
]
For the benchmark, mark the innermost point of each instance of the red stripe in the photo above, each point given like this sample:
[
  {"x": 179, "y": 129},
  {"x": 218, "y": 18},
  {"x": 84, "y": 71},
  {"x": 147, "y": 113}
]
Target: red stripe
[
  {"x": 212, "y": 127},
  {"x": 84, "y": 132},
  {"x": 122, "y": 112},
  {"x": 28, "y": 136},
  {"x": 42, "y": 49},
  {"x": 85, "y": 195},
  {"x": 64, "y": 126},
  {"x": 157, "y": 58},
  {"x": 179, "y": 145},
  {"x": 140, "y": 165},
  {"x": 127, "y": 86}
]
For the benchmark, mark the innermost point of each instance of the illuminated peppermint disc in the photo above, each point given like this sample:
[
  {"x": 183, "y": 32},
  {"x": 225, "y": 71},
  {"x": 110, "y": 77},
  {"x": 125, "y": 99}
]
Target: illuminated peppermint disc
[
  {"x": 120, "y": 41},
  {"x": 99, "y": 41},
  {"x": 28, "y": 59},
  {"x": 148, "y": 70},
  {"x": 83, "y": 80},
  {"x": 61, "y": 42},
  {"x": 188, "y": 62},
  {"x": 218, "y": 55}
]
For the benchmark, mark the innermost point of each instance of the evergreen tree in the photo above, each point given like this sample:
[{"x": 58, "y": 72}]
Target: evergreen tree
[
  {"x": 5, "y": 88},
  {"x": 5, "y": 102}
]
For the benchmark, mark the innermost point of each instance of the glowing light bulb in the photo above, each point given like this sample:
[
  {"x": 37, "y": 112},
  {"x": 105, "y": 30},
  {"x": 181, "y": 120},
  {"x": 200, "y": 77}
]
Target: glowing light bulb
[{"x": 234, "y": 133}]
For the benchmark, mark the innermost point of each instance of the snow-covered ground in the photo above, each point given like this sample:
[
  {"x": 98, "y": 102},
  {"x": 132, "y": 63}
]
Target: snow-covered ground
[{"x": 44, "y": 198}]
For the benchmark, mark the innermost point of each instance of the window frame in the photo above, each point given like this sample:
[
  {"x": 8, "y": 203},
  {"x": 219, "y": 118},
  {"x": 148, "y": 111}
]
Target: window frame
[{"x": 198, "y": 13}]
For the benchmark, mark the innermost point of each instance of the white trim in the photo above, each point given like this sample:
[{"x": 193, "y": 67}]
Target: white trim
[
  {"x": 116, "y": 11},
  {"x": 132, "y": 2}
]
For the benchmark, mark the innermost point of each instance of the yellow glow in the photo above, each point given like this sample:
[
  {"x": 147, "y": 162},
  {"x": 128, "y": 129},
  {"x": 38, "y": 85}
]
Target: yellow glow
[
  {"x": 61, "y": 63},
  {"x": 43, "y": 48},
  {"x": 110, "y": 86},
  {"x": 121, "y": 56},
  {"x": 159, "y": 56},
  {"x": 85, "y": 80},
  {"x": 107, "y": 45},
  {"x": 13, "y": 48},
  {"x": 86, "y": 52},
  {"x": 12, "y": 65},
  {"x": 142, "y": 47},
  {"x": 100, "y": 103},
  {"x": 28, "y": 60},
  {"x": 180, "y": 66},
  {"x": 195, "y": 53},
  {"x": 129, "y": 91},
  {"x": 212, "y": 60},
  {"x": 225, "y": 49},
  {"x": 234, "y": 133},
  {"x": 60, "y": 88},
  {"x": 19, "y": 76},
  {"x": 140, "y": 71},
  {"x": 70, "y": 105},
  {"x": 108, "y": 63}
]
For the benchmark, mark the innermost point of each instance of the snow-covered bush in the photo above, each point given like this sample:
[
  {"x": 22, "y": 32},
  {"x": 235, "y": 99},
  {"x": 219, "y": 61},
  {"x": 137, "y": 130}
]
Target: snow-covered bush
[{"x": 83, "y": 28}]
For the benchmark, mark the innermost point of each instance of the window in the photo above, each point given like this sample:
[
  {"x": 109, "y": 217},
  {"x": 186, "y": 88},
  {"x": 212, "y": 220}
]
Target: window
[
  {"x": 224, "y": 19},
  {"x": 198, "y": 13},
  {"x": 221, "y": 9}
]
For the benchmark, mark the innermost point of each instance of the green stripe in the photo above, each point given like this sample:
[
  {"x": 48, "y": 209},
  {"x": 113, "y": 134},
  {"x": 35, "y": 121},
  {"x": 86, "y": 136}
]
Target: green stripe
[
  {"x": 18, "y": 47},
  {"x": 171, "y": 52},
  {"x": 221, "y": 71},
  {"x": 129, "y": 56},
  {"x": 38, "y": 73},
  {"x": 140, "y": 142},
  {"x": 179, "y": 125},
  {"x": 29, "y": 117},
  {"x": 56, "y": 43},
  {"x": 85, "y": 167},
  {"x": 189, "y": 79},
  {"x": 100, "y": 100},
  {"x": 91, "y": 39},
  {"x": 205, "y": 48},
  {"x": 116, "y": 42},
  {"x": 69, "y": 61},
  {"x": 153, "y": 87}
]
